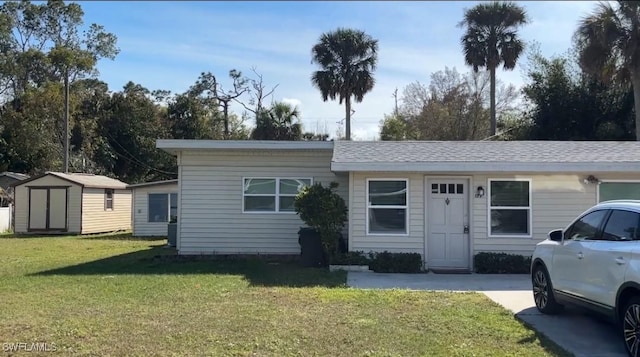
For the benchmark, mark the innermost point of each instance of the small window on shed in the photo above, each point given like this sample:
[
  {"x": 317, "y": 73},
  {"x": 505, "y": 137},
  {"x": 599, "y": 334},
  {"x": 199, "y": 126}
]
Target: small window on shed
[{"x": 108, "y": 198}]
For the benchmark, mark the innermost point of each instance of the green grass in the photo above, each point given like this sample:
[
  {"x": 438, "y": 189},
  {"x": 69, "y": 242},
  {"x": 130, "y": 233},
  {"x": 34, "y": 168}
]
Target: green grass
[{"x": 113, "y": 296}]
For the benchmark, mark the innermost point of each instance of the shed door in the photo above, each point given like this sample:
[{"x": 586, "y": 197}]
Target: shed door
[
  {"x": 57, "y": 208},
  {"x": 38, "y": 208},
  {"x": 48, "y": 208}
]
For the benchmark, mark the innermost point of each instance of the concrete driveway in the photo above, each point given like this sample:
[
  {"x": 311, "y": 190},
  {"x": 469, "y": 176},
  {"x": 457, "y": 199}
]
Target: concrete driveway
[{"x": 577, "y": 332}]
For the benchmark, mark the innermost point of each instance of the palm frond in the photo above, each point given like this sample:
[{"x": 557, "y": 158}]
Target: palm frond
[{"x": 347, "y": 59}]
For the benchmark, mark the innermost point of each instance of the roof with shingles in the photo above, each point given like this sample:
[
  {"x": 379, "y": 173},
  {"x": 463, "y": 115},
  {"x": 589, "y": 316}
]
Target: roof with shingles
[
  {"x": 85, "y": 180},
  {"x": 474, "y": 155}
]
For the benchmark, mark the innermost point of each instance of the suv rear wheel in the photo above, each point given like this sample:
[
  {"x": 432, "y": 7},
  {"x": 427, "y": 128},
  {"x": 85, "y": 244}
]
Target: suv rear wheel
[{"x": 543, "y": 291}]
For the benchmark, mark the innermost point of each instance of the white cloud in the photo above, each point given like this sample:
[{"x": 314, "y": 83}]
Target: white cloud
[{"x": 296, "y": 103}]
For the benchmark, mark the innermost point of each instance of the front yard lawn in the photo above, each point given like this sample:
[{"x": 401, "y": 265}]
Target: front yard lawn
[{"x": 112, "y": 296}]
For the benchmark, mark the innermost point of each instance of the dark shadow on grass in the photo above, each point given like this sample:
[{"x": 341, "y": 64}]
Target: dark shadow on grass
[
  {"x": 259, "y": 271},
  {"x": 120, "y": 236}
]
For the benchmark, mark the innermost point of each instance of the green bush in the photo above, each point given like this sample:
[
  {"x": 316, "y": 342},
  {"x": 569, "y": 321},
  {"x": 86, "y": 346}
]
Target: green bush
[
  {"x": 501, "y": 263},
  {"x": 323, "y": 210},
  {"x": 350, "y": 258},
  {"x": 387, "y": 262}
]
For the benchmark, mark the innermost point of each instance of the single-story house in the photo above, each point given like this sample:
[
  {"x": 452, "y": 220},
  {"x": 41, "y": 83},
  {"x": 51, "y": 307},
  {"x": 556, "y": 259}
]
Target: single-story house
[
  {"x": 154, "y": 205},
  {"x": 444, "y": 200},
  {"x": 7, "y": 179},
  {"x": 56, "y": 202}
]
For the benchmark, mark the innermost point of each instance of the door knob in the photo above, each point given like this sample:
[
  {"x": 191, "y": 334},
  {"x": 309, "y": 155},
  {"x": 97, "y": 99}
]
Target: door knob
[{"x": 466, "y": 229}]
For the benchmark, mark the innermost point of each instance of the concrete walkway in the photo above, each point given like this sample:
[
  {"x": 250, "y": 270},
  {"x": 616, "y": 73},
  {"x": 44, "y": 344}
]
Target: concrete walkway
[{"x": 579, "y": 333}]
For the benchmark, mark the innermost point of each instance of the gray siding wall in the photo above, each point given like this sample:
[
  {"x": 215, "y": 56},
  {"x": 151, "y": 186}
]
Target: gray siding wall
[
  {"x": 141, "y": 224},
  {"x": 211, "y": 220},
  {"x": 556, "y": 200}
]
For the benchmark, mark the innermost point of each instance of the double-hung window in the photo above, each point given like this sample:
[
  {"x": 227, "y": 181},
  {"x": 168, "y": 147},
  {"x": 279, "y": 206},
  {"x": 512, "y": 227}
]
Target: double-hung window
[
  {"x": 162, "y": 207},
  {"x": 108, "y": 198},
  {"x": 272, "y": 194},
  {"x": 387, "y": 206},
  {"x": 509, "y": 208}
]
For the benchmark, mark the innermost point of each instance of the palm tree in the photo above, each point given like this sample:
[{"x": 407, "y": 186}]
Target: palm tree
[
  {"x": 277, "y": 123},
  {"x": 609, "y": 44},
  {"x": 347, "y": 59},
  {"x": 491, "y": 39}
]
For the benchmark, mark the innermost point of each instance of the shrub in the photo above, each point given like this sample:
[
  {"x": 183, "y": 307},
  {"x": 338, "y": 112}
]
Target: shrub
[
  {"x": 387, "y": 262},
  {"x": 501, "y": 263},
  {"x": 323, "y": 210},
  {"x": 350, "y": 258}
]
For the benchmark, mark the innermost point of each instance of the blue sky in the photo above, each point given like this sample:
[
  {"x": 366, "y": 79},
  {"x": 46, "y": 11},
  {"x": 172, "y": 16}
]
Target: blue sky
[{"x": 167, "y": 44}]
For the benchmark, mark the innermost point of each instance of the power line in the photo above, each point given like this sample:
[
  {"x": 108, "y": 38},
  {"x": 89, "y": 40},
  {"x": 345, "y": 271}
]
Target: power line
[{"x": 136, "y": 161}]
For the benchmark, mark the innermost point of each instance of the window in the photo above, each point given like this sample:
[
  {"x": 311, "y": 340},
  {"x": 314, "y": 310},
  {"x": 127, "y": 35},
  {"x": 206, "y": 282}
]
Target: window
[
  {"x": 387, "y": 207},
  {"x": 618, "y": 191},
  {"x": 586, "y": 227},
  {"x": 509, "y": 208},
  {"x": 622, "y": 226},
  {"x": 108, "y": 198},
  {"x": 162, "y": 207},
  {"x": 272, "y": 194}
]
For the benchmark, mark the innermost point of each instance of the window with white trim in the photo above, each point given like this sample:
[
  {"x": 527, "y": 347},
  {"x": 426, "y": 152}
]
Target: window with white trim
[
  {"x": 272, "y": 194},
  {"x": 108, "y": 198},
  {"x": 387, "y": 206},
  {"x": 509, "y": 208},
  {"x": 162, "y": 207}
]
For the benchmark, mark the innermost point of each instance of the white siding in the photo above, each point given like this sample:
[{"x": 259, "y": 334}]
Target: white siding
[
  {"x": 556, "y": 201},
  {"x": 358, "y": 239},
  {"x": 97, "y": 219},
  {"x": 22, "y": 202},
  {"x": 211, "y": 220},
  {"x": 141, "y": 224}
]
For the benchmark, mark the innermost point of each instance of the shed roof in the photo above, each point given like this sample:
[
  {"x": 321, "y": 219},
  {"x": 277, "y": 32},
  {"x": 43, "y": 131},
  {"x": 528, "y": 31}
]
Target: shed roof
[
  {"x": 84, "y": 180},
  {"x": 154, "y": 183},
  {"x": 14, "y": 175},
  {"x": 487, "y": 156}
]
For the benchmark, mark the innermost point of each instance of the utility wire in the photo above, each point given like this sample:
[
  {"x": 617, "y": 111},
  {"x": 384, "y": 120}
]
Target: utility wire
[{"x": 132, "y": 158}]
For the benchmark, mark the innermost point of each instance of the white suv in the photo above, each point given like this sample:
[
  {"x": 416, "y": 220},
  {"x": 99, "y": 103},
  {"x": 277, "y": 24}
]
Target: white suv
[{"x": 594, "y": 263}]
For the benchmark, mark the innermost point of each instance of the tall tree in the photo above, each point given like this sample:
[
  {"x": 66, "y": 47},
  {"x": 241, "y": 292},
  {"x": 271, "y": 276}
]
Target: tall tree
[
  {"x": 347, "y": 59},
  {"x": 208, "y": 87},
  {"x": 491, "y": 39},
  {"x": 609, "y": 44},
  {"x": 452, "y": 107},
  {"x": 280, "y": 122},
  {"x": 42, "y": 42},
  {"x": 566, "y": 103}
]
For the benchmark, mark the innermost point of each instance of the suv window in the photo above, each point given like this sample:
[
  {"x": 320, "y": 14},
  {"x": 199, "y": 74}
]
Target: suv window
[
  {"x": 622, "y": 225},
  {"x": 587, "y": 226}
]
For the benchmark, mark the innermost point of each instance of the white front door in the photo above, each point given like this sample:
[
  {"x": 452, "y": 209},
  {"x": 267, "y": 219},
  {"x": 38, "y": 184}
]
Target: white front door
[{"x": 447, "y": 224}]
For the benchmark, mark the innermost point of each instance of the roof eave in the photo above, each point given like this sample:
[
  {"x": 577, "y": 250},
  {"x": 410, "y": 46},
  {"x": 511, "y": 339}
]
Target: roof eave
[
  {"x": 155, "y": 183},
  {"x": 174, "y": 146},
  {"x": 558, "y": 167}
]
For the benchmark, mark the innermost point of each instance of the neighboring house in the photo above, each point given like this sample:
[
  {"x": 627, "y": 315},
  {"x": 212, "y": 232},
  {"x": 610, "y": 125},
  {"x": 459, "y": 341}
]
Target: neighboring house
[
  {"x": 154, "y": 204},
  {"x": 444, "y": 200},
  {"x": 7, "y": 179},
  {"x": 56, "y": 202}
]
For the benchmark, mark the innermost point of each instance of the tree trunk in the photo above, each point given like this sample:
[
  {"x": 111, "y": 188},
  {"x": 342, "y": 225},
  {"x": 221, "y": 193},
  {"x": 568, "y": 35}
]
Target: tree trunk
[
  {"x": 635, "y": 80},
  {"x": 225, "y": 109},
  {"x": 493, "y": 101},
  {"x": 66, "y": 122},
  {"x": 347, "y": 117}
]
